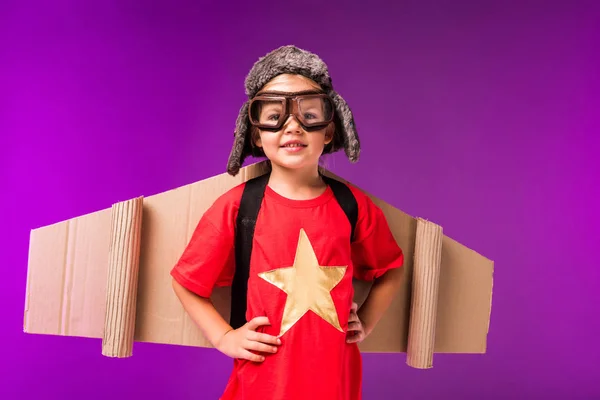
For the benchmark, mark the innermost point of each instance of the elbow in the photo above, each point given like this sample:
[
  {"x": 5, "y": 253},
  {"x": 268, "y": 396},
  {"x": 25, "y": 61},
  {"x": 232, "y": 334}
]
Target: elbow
[
  {"x": 393, "y": 278},
  {"x": 177, "y": 288},
  {"x": 183, "y": 293},
  {"x": 398, "y": 277}
]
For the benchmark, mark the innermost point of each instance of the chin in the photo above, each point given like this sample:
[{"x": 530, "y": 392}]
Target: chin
[{"x": 291, "y": 163}]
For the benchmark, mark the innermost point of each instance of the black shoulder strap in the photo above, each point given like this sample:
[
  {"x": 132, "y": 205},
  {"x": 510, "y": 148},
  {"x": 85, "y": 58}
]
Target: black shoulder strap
[
  {"x": 250, "y": 202},
  {"x": 346, "y": 199},
  {"x": 244, "y": 235}
]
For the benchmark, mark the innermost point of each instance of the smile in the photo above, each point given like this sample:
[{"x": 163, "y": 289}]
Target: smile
[{"x": 294, "y": 145}]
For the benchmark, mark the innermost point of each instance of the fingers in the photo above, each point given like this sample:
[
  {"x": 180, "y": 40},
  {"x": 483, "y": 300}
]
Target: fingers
[
  {"x": 261, "y": 342},
  {"x": 356, "y": 332},
  {"x": 261, "y": 347},
  {"x": 355, "y": 326},
  {"x": 263, "y": 338},
  {"x": 353, "y": 318},
  {"x": 258, "y": 341},
  {"x": 242, "y": 343},
  {"x": 252, "y": 335},
  {"x": 356, "y": 338},
  {"x": 247, "y": 355},
  {"x": 256, "y": 322}
]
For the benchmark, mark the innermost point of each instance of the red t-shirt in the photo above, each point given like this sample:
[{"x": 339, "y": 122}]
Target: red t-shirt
[{"x": 314, "y": 360}]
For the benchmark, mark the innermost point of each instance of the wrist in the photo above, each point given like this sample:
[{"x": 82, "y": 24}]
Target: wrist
[
  {"x": 219, "y": 344},
  {"x": 366, "y": 325}
]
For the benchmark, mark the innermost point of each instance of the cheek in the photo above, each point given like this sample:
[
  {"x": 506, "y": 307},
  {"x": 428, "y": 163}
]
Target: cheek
[
  {"x": 318, "y": 139},
  {"x": 269, "y": 141}
]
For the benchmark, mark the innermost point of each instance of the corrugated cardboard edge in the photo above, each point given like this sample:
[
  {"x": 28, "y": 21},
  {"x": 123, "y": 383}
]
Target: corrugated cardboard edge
[
  {"x": 424, "y": 300},
  {"x": 122, "y": 278}
]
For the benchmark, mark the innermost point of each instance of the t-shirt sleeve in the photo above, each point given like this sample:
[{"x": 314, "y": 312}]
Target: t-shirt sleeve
[
  {"x": 375, "y": 250},
  {"x": 208, "y": 259}
]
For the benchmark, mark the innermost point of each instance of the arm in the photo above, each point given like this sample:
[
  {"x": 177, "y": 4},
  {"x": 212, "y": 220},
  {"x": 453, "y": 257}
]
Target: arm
[
  {"x": 380, "y": 297},
  {"x": 376, "y": 257},
  {"x": 203, "y": 313},
  {"x": 207, "y": 258},
  {"x": 235, "y": 343}
]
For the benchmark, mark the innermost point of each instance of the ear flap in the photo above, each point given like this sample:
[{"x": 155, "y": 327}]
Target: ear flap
[
  {"x": 240, "y": 148},
  {"x": 348, "y": 128}
]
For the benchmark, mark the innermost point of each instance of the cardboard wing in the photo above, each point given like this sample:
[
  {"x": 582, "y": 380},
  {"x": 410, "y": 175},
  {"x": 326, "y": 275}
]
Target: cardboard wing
[{"x": 106, "y": 275}]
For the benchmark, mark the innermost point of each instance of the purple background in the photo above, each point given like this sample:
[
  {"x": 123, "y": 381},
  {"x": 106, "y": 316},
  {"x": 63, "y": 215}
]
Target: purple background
[{"x": 482, "y": 118}]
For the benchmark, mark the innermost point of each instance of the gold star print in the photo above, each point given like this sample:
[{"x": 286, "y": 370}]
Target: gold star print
[{"x": 307, "y": 285}]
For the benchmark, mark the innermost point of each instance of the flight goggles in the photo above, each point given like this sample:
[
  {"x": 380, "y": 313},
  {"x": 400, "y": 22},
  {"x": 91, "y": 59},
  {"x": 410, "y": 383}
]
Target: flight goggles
[{"x": 269, "y": 110}]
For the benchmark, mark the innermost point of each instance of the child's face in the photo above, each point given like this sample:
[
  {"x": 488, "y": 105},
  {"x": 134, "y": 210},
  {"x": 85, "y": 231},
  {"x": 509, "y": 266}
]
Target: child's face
[{"x": 308, "y": 146}]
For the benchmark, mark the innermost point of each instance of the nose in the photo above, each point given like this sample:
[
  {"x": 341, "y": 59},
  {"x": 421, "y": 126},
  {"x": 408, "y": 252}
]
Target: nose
[{"x": 292, "y": 125}]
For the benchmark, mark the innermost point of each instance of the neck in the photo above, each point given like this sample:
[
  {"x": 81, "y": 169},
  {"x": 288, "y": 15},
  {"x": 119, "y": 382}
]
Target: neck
[{"x": 300, "y": 184}]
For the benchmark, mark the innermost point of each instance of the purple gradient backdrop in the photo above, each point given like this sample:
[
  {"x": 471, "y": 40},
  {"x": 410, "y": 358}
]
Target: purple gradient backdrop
[{"x": 483, "y": 118}]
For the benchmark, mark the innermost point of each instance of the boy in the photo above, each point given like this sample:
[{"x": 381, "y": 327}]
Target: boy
[{"x": 301, "y": 337}]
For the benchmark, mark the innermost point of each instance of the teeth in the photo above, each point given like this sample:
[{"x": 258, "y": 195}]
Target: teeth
[{"x": 293, "y": 145}]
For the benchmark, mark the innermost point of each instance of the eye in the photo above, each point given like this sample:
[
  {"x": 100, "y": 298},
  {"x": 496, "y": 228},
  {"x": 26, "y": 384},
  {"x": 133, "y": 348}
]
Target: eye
[
  {"x": 273, "y": 117},
  {"x": 309, "y": 116}
]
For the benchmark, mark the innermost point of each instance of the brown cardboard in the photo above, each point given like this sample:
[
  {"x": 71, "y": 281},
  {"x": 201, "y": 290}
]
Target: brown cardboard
[
  {"x": 425, "y": 287},
  {"x": 82, "y": 277},
  {"x": 122, "y": 280}
]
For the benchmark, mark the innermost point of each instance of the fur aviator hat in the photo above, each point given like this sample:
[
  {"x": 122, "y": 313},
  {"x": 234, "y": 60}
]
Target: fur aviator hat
[{"x": 292, "y": 60}]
